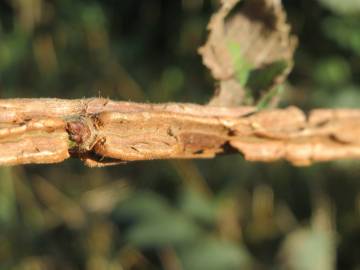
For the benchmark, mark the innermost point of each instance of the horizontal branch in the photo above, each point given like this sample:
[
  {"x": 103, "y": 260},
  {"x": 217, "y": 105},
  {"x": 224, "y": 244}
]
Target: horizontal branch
[{"x": 104, "y": 132}]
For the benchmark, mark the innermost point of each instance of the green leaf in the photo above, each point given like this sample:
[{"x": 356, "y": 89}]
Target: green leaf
[
  {"x": 211, "y": 254},
  {"x": 155, "y": 222},
  {"x": 261, "y": 78},
  {"x": 142, "y": 205},
  {"x": 345, "y": 31},
  {"x": 307, "y": 249},
  {"x": 265, "y": 101},
  {"x": 7, "y": 197},
  {"x": 13, "y": 49},
  {"x": 197, "y": 206},
  {"x": 164, "y": 230},
  {"x": 241, "y": 66},
  {"x": 332, "y": 71},
  {"x": 342, "y": 6},
  {"x": 93, "y": 16}
]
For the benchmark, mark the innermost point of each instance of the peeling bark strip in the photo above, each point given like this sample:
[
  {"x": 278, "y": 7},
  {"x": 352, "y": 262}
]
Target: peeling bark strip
[{"x": 104, "y": 132}]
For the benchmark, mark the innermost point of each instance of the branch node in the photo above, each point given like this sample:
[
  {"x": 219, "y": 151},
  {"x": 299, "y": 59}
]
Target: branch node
[{"x": 83, "y": 132}]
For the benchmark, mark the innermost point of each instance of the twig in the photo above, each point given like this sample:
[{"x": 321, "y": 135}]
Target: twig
[{"x": 104, "y": 132}]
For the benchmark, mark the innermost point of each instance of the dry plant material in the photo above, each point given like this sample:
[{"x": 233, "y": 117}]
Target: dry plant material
[
  {"x": 249, "y": 49},
  {"x": 33, "y": 140},
  {"x": 104, "y": 132}
]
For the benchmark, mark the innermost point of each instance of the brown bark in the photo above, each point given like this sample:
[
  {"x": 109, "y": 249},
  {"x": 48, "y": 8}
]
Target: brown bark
[{"x": 103, "y": 132}]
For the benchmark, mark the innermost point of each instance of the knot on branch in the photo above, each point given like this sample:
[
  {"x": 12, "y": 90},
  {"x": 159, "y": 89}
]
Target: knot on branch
[{"x": 82, "y": 132}]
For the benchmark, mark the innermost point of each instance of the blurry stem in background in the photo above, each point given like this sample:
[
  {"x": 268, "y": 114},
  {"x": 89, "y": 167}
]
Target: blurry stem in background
[
  {"x": 59, "y": 204},
  {"x": 191, "y": 176},
  {"x": 7, "y": 197},
  {"x": 29, "y": 207},
  {"x": 29, "y": 13},
  {"x": 45, "y": 54},
  {"x": 131, "y": 258},
  {"x": 169, "y": 259}
]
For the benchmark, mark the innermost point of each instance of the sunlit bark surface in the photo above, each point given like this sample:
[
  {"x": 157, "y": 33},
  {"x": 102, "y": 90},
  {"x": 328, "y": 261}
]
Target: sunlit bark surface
[{"x": 105, "y": 132}]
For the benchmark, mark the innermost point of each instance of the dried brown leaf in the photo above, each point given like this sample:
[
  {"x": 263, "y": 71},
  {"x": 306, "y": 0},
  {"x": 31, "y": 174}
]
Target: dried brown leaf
[{"x": 246, "y": 38}]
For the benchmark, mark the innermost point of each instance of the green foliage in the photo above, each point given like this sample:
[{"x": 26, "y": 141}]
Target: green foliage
[
  {"x": 168, "y": 230},
  {"x": 332, "y": 71},
  {"x": 263, "y": 77},
  {"x": 198, "y": 207},
  {"x": 309, "y": 249},
  {"x": 12, "y": 50},
  {"x": 211, "y": 254},
  {"x": 343, "y": 6},
  {"x": 344, "y": 31},
  {"x": 266, "y": 99},
  {"x": 241, "y": 66},
  {"x": 7, "y": 198}
]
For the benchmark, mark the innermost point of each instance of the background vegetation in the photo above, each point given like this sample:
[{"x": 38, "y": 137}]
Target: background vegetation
[{"x": 212, "y": 214}]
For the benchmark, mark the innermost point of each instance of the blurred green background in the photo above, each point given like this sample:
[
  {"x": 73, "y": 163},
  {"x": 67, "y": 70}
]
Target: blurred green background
[{"x": 223, "y": 213}]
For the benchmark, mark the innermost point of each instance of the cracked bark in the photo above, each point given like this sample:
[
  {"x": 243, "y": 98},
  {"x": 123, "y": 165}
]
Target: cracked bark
[{"x": 104, "y": 132}]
